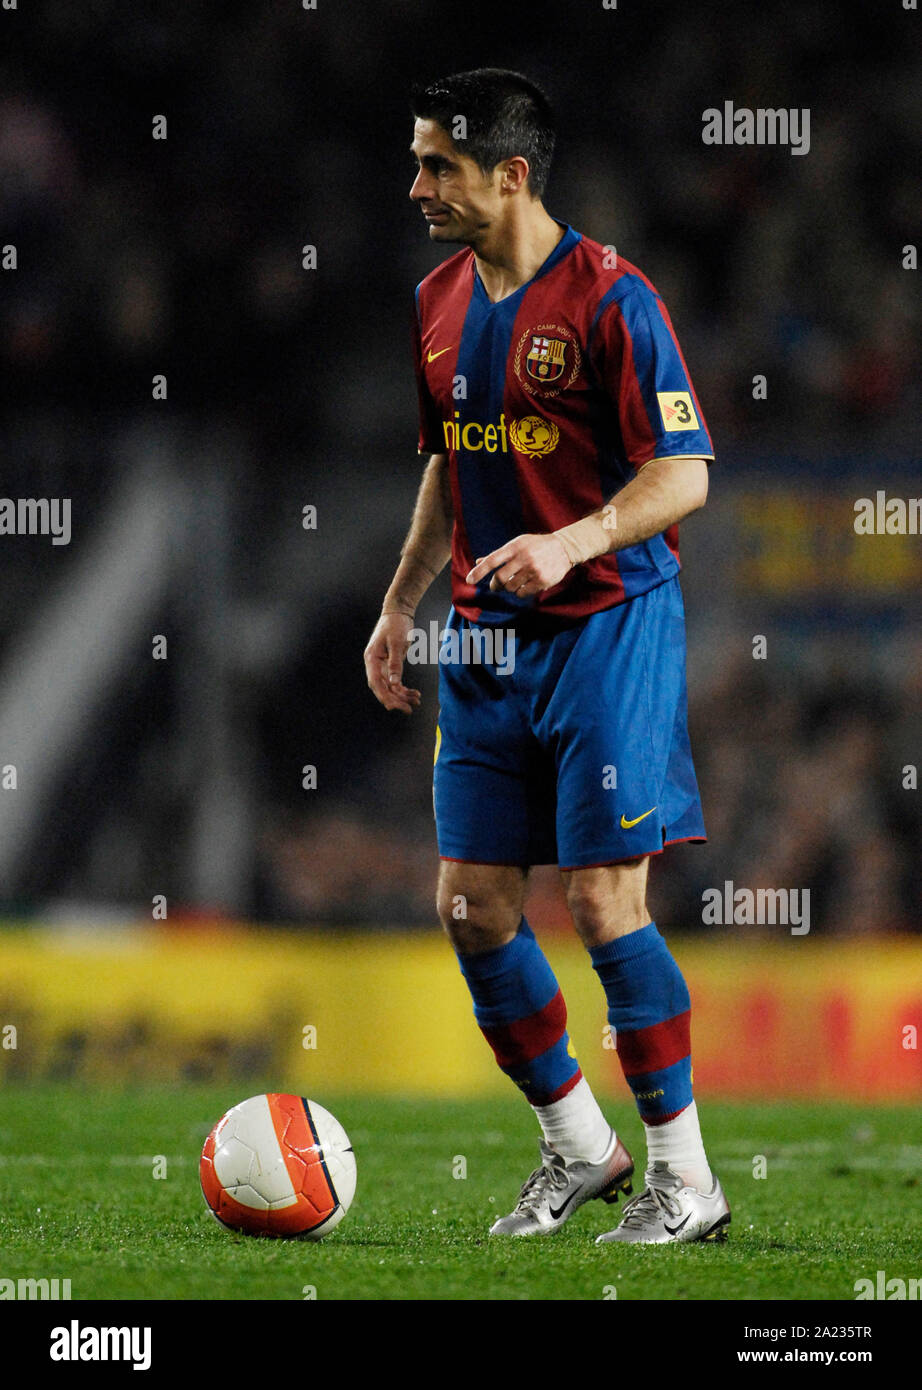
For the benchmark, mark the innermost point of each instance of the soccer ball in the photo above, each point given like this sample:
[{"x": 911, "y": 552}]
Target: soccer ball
[{"x": 278, "y": 1165}]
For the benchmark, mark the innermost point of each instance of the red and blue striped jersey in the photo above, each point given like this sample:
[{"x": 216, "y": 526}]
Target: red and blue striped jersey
[{"x": 547, "y": 403}]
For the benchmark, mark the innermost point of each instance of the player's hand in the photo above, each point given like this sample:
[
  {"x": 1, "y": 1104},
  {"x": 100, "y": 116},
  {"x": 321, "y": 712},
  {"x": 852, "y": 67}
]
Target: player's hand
[
  {"x": 524, "y": 566},
  {"x": 384, "y": 658}
]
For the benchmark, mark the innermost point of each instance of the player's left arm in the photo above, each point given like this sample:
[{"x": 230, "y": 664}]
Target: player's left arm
[{"x": 662, "y": 493}]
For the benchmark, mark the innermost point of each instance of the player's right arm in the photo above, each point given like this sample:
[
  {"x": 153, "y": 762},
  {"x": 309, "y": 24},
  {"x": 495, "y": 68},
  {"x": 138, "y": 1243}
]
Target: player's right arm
[{"x": 423, "y": 556}]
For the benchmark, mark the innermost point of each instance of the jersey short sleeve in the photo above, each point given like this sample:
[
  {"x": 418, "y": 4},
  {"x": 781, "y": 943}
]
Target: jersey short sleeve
[
  {"x": 429, "y": 424},
  {"x": 637, "y": 357}
]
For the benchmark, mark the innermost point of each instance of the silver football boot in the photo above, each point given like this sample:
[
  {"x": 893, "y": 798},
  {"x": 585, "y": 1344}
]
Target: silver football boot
[
  {"x": 669, "y": 1211},
  {"x": 555, "y": 1190}
]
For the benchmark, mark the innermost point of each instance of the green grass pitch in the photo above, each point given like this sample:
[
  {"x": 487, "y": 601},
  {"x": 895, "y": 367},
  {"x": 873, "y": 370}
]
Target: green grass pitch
[{"x": 841, "y": 1199}]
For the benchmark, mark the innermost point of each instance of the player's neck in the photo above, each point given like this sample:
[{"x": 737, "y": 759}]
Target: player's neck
[{"x": 516, "y": 253}]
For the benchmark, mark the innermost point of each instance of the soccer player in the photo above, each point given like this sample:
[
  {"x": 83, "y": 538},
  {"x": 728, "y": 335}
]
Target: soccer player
[{"x": 565, "y": 443}]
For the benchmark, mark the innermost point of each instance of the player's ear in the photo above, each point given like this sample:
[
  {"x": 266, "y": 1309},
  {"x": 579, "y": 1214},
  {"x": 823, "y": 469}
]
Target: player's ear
[{"x": 513, "y": 174}]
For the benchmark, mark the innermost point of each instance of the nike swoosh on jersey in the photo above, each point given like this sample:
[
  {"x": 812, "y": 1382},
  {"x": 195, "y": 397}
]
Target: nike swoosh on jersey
[
  {"x": 629, "y": 824},
  {"x": 431, "y": 356}
]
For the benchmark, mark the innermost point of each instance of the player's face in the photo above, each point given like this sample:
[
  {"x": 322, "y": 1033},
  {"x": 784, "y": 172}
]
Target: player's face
[{"x": 457, "y": 201}]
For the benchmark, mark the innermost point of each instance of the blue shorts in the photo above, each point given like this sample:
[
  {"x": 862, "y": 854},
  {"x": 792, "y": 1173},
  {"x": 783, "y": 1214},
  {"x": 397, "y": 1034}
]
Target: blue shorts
[{"x": 574, "y": 753}]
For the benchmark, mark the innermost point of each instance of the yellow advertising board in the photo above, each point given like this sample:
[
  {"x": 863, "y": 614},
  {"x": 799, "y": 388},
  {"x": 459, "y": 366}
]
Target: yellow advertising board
[{"x": 321, "y": 1012}]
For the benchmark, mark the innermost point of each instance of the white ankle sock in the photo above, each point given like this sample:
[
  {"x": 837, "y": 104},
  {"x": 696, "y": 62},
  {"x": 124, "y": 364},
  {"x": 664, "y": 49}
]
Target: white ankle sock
[
  {"x": 575, "y": 1127},
  {"x": 679, "y": 1143}
]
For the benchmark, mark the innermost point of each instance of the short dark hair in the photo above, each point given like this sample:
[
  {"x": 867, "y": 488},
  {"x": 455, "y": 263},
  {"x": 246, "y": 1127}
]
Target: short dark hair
[{"x": 506, "y": 115}]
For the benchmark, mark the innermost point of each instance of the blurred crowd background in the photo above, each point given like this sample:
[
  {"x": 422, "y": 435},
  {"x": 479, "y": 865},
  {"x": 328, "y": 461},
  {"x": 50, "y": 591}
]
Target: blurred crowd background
[{"x": 287, "y": 387}]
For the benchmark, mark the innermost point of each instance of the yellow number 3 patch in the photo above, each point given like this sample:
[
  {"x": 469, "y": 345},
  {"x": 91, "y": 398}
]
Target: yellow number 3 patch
[{"x": 677, "y": 410}]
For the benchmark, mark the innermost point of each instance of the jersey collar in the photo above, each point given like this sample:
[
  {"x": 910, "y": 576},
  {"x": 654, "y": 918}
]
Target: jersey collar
[{"x": 563, "y": 248}]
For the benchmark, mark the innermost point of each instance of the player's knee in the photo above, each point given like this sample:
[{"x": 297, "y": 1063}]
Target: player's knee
[
  {"x": 590, "y": 909},
  {"x": 477, "y": 916},
  {"x": 607, "y": 903},
  {"x": 472, "y": 927}
]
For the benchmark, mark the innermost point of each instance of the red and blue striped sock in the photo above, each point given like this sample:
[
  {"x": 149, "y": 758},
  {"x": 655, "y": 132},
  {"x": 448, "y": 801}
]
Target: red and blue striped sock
[
  {"x": 522, "y": 1015},
  {"x": 650, "y": 1010}
]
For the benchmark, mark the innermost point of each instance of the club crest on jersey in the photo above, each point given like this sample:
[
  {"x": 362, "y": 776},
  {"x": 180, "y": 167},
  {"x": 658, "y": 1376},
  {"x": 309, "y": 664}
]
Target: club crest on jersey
[{"x": 547, "y": 359}]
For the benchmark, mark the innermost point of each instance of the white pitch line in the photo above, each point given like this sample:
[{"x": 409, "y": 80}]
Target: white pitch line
[
  {"x": 905, "y": 1163},
  {"x": 113, "y": 1160}
]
